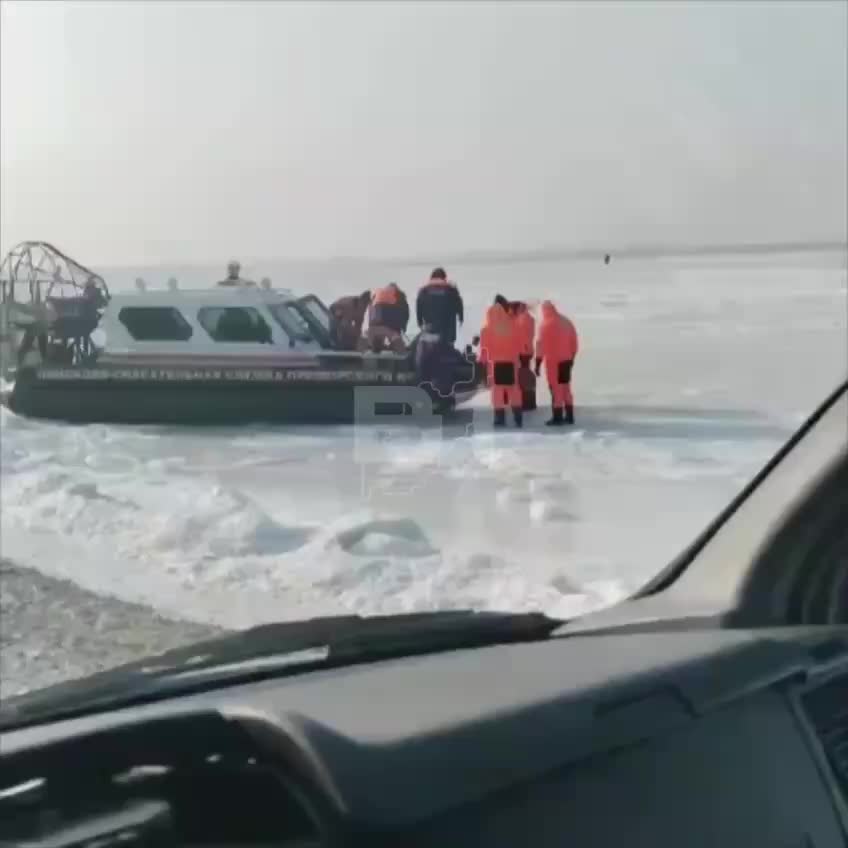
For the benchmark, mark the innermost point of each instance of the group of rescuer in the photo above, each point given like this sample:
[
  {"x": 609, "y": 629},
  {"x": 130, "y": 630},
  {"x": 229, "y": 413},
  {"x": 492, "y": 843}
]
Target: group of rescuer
[{"x": 509, "y": 341}]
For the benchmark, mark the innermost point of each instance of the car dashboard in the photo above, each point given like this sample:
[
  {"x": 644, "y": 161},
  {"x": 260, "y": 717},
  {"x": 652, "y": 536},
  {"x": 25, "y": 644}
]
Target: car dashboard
[{"x": 675, "y": 738}]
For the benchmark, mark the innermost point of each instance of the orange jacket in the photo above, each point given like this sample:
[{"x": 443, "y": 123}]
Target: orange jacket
[
  {"x": 386, "y": 294},
  {"x": 389, "y": 308},
  {"x": 557, "y": 339},
  {"x": 499, "y": 339},
  {"x": 526, "y": 326}
]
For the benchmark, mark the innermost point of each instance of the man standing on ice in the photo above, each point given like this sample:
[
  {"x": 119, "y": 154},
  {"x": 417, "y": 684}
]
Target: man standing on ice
[
  {"x": 526, "y": 326},
  {"x": 557, "y": 347},
  {"x": 500, "y": 349},
  {"x": 438, "y": 308}
]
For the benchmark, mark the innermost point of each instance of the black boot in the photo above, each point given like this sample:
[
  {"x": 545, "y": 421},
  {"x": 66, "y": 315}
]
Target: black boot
[
  {"x": 528, "y": 400},
  {"x": 500, "y": 418},
  {"x": 556, "y": 421},
  {"x": 569, "y": 414},
  {"x": 518, "y": 416}
]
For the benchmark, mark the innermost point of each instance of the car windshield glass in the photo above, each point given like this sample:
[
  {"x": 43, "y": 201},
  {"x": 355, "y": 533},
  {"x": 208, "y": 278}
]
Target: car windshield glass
[{"x": 351, "y": 309}]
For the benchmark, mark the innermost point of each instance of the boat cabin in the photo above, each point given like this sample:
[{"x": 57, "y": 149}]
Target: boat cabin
[{"x": 220, "y": 321}]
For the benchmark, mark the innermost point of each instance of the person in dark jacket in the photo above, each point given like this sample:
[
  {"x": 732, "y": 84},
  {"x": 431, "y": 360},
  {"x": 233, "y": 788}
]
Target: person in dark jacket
[
  {"x": 347, "y": 315},
  {"x": 388, "y": 318},
  {"x": 439, "y": 306},
  {"x": 437, "y": 309}
]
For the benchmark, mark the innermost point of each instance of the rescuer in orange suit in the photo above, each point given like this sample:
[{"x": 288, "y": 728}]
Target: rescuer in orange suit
[
  {"x": 388, "y": 317},
  {"x": 557, "y": 347},
  {"x": 500, "y": 347},
  {"x": 526, "y": 326}
]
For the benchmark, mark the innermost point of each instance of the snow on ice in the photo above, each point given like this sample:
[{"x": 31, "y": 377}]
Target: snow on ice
[{"x": 691, "y": 374}]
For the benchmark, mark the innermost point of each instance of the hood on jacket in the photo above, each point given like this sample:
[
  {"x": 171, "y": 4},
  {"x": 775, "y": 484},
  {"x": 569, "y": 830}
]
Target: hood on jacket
[
  {"x": 498, "y": 320},
  {"x": 549, "y": 311}
]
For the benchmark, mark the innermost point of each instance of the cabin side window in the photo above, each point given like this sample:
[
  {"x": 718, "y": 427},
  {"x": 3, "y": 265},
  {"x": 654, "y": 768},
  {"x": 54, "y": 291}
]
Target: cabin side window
[
  {"x": 155, "y": 324},
  {"x": 235, "y": 324}
]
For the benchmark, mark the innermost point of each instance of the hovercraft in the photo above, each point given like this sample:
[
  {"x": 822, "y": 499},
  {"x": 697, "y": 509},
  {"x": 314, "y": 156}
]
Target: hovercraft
[{"x": 235, "y": 353}]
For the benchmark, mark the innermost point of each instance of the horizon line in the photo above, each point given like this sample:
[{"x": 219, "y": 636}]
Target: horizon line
[
  {"x": 648, "y": 250},
  {"x": 553, "y": 253}
]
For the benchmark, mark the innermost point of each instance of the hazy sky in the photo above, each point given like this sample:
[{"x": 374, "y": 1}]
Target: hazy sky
[{"x": 195, "y": 131}]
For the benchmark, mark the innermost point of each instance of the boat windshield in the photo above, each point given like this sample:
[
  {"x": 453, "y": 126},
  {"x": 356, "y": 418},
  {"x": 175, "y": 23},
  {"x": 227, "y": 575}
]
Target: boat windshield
[
  {"x": 289, "y": 318},
  {"x": 317, "y": 310}
]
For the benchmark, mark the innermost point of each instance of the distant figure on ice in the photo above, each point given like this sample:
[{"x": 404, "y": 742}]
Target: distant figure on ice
[
  {"x": 500, "y": 349},
  {"x": 557, "y": 347},
  {"x": 606, "y": 259},
  {"x": 347, "y": 314},
  {"x": 388, "y": 318}
]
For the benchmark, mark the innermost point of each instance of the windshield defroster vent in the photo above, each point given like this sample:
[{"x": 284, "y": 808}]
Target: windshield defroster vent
[{"x": 827, "y": 709}]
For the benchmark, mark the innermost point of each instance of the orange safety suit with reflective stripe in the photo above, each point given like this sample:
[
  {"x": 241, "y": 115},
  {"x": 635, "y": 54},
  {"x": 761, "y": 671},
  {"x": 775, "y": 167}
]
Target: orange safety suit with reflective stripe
[
  {"x": 557, "y": 346},
  {"x": 500, "y": 348}
]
